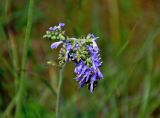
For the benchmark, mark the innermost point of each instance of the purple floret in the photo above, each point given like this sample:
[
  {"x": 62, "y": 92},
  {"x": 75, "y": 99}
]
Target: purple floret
[
  {"x": 56, "y": 44},
  {"x": 61, "y": 24},
  {"x": 52, "y": 28}
]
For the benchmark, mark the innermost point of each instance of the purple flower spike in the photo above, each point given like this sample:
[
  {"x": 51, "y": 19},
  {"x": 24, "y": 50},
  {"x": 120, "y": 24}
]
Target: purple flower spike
[
  {"x": 84, "y": 53},
  {"x": 56, "y": 44},
  {"x": 89, "y": 75}
]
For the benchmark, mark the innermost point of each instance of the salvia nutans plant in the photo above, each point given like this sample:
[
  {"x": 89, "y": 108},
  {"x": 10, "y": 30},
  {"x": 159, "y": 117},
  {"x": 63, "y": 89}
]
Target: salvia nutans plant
[{"x": 84, "y": 52}]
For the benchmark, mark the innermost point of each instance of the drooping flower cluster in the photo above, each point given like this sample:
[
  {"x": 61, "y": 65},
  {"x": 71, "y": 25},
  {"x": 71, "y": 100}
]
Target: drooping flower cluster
[{"x": 84, "y": 52}]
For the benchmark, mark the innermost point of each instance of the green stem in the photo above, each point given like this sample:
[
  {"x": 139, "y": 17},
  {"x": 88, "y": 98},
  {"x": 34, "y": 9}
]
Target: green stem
[
  {"x": 149, "y": 75},
  {"x": 59, "y": 91},
  {"x": 21, "y": 90},
  {"x": 9, "y": 108},
  {"x": 11, "y": 44},
  {"x": 113, "y": 20}
]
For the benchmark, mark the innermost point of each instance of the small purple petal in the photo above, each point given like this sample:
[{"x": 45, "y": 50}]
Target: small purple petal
[
  {"x": 83, "y": 70},
  {"x": 61, "y": 25},
  {"x": 66, "y": 56},
  {"x": 78, "y": 68},
  {"x": 82, "y": 82},
  {"x": 93, "y": 66},
  {"x": 87, "y": 75},
  {"x": 78, "y": 78},
  {"x": 52, "y": 28},
  {"x": 93, "y": 78},
  {"x": 92, "y": 35},
  {"x": 68, "y": 46},
  {"x": 91, "y": 87},
  {"x": 95, "y": 45},
  {"x": 56, "y": 44},
  {"x": 73, "y": 57},
  {"x": 99, "y": 74}
]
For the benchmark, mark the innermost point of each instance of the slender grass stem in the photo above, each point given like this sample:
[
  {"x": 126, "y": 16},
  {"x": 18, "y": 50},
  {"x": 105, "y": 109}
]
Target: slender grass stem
[
  {"x": 149, "y": 75},
  {"x": 114, "y": 22},
  {"x": 21, "y": 90},
  {"x": 9, "y": 108},
  {"x": 14, "y": 58},
  {"x": 58, "y": 92},
  {"x": 11, "y": 44}
]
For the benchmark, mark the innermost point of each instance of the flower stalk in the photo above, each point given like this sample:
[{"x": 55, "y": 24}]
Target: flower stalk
[{"x": 59, "y": 92}]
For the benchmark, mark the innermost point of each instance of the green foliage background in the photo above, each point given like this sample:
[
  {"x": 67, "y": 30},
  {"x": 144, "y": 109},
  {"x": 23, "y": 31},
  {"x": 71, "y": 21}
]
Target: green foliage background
[{"x": 129, "y": 32}]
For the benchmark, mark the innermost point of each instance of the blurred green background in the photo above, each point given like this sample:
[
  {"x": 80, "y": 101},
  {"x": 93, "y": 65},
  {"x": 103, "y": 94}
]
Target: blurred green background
[{"x": 129, "y": 32}]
